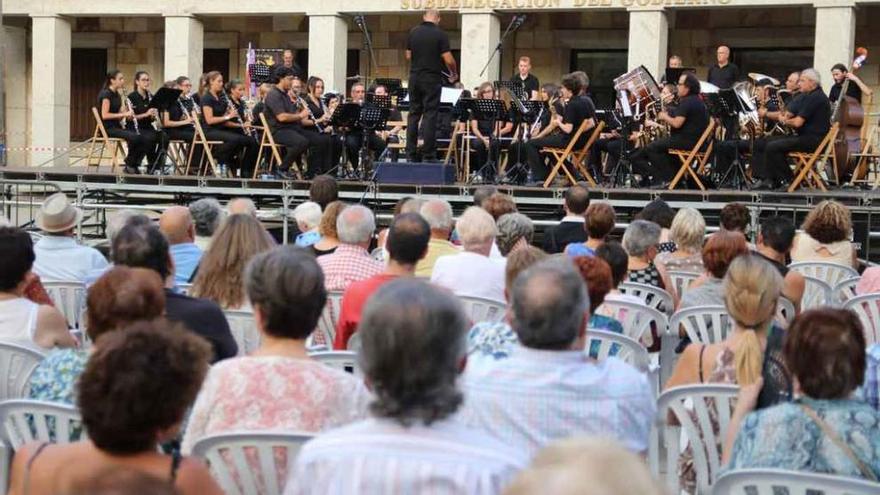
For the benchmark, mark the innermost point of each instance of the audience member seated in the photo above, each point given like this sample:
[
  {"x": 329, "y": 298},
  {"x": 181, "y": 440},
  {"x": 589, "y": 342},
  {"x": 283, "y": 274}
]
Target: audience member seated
[
  {"x": 278, "y": 387},
  {"x": 438, "y": 214},
  {"x": 323, "y": 190},
  {"x": 600, "y": 221},
  {"x": 241, "y": 206},
  {"x": 115, "y": 301},
  {"x": 144, "y": 246},
  {"x": 515, "y": 231},
  {"x": 752, "y": 349},
  {"x": 498, "y": 205},
  {"x": 659, "y": 212},
  {"x": 128, "y": 409},
  {"x": 482, "y": 193},
  {"x": 351, "y": 261},
  {"x": 571, "y": 228},
  {"x": 871, "y": 388},
  {"x": 207, "y": 215},
  {"x": 308, "y": 219},
  {"x": 774, "y": 245},
  {"x": 220, "y": 276},
  {"x": 688, "y": 232},
  {"x": 472, "y": 272},
  {"x": 327, "y": 228},
  {"x": 597, "y": 275},
  {"x": 826, "y": 235},
  {"x": 58, "y": 256},
  {"x": 614, "y": 254},
  {"x": 22, "y": 321},
  {"x": 407, "y": 243},
  {"x": 177, "y": 225},
  {"x": 641, "y": 241},
  {"x": 412, "y": 444},
  {"x": 489, "y": 341},
  {"x": 34, "y": 289},
  {"x": 735, "y": 217},
  {"x": 720, "y": 250},
  {"x": 403, "y": 205},
  {"x": 115, "y": 223},
  {"x": 539, "y": 393},
  {"x": 585, "y": 466},
  {"x": 825, "y": 430}
]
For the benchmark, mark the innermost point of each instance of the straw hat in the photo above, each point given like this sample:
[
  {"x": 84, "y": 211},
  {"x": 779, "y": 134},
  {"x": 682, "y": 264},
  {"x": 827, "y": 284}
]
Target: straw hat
[{"x": 57, "y": 214}]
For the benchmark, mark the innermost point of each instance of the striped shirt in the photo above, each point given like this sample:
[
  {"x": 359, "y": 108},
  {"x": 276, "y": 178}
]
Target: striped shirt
[
  {"x": 381, "y": 456},
  {"x": 558, "y": 394},
  {"x": 349, "y": 263}
]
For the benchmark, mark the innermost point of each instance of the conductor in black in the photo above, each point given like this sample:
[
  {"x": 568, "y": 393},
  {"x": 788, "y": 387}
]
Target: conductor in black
[{"x": 427, "y": 49}]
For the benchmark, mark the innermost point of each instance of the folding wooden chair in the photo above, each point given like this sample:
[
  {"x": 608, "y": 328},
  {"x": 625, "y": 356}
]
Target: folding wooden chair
[
  {"x": 687, "y": 157},
  {"x": 199, "y": 139},
  {"x": 805, "y": 168},
  {"x": 267, "y": 141},
  {"x": 178, "y": 150},
  {"x": 565, "y": 154},
  {"x": 101, "y": 141}
]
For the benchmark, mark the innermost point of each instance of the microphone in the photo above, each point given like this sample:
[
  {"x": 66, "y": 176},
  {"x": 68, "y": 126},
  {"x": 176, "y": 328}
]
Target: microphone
[{"x": 359, "y": 20}]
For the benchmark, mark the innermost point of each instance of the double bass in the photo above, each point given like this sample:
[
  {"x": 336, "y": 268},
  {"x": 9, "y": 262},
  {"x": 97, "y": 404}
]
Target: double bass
[{"x": 850, "y": 116}]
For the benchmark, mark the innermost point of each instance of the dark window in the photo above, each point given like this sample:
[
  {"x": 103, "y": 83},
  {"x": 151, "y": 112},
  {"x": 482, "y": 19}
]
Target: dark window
[
  {"x": 773, "y": 62},
  {"x": 216, "y": 59},
  {"x": 88, "y": 68},
  {"x": 602, "y": 66}
]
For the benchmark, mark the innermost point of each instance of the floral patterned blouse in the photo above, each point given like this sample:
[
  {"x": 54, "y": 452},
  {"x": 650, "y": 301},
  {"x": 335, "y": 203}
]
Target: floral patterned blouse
[{"x": 54, "y": 379}]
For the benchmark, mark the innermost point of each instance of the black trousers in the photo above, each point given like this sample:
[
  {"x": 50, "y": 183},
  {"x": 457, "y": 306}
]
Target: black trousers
[
  {"x": 157, "y": 145},
  {"x": 355, "y": 139},
  {"x": 237, "y": 150},
  {"x": 655, "y": 160},
  {"x": 483, "y": 154},
  {"x": 424, "y": 99},
  {"x": 294, "y": 141},
  {"x": 186, "y": 135},
  {"x": 612, "y": 147},
  {"x": 727, "y": 151},
  {"x": 137, "y": 145},
  {"x": 769, "y": 159},
  {"x": 320, "y": 152},
  {"x": 537, "y": 162}
]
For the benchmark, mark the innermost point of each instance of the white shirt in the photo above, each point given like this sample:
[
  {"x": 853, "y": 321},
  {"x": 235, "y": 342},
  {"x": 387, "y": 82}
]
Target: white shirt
[
  {"x": 18, "y": 321},
  {"x": 63, "y": 259},
  {"x": 471, "y": 274},
  {"x": 379, "y": 456},
  {"x": 537, "y": 396}
]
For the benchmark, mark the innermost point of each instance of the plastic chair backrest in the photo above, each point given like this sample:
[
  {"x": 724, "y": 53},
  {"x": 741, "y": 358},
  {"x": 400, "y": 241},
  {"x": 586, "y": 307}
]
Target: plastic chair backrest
[
  {"x": 681, "y": 280},
  {"x": 830, "y": 273},
  {"x": 784, "y": 312},
  {"x": 867, "y": 307},
  {"x": 619, "y": 346},
  {"x": 637, "y": 318},
  {"x": 845, "y": 290},
  {"x": 17, "y": 363},
  {"x": 772, "y": 481},
  {"x": 654, "y": 297},
  {"x": 325, "y": 333},
  {"x": 341, "y": 360},
  {"x": 244, "y": 330},
  {"x": 26, "y": 421},
  {"x": 480, "y": 309},
  {"x": 70, "y": 298},
  {"x": 817, "y": 293},
  {"x": 703, "y": 324}
]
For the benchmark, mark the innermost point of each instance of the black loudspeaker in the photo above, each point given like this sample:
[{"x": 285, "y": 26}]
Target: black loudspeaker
[{"x": 431, "y": 173}]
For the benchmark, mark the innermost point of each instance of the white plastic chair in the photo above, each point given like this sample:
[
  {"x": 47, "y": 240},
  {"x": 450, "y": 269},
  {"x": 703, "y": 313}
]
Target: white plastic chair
[
  {"x": 702, "y": 324},
  {"x": 845, "y": 290},
  {"x": 817, "y": 293},
  {"x": 772, "y": 481},
  {"x": 654, "y": 297},
  {"x": 637, "y": 318},
  {"x": 185, "y": 289},
  {"x": 627, "y": 349},
  {"x": 830, "y": 273},
  {"x": 867, "y": 307},
  {"x": 341, "y": 360},
  {"x": 233, "y": 459},
  {"x": 354, "y": 342},
  {"x": 785, "y": 312},
  {"x": 244, "y": 330},
  {"x": 70, "y": 298},
  {"x": 17, "y": 363},
  {"x": 325, "y": 333},
  {"x": 681, "y": 280},
  {"x": 480, "y": 309},
  {"x": 691, "y": 405}
]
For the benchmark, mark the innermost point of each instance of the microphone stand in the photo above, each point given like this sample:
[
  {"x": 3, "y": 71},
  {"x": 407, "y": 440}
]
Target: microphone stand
[
  {"x": 515, "y": 24},
  {"x": 368, "y": 45}
]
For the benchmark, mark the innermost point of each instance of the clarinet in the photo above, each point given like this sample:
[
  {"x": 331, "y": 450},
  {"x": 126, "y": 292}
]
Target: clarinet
[
  {"x": 312, "y": 116},
  {"x": 186, "y": 113},
  {"x": 157, "y": 121},
  {"x": 134, "y": 121},
  {"x": 231, "y": 106}
]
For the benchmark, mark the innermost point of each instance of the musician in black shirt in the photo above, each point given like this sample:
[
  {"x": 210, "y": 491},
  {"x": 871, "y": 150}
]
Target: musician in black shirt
[
  {"x": 855, "y": 88},
  {"x": 221, "y": 119},
  {"x": 526, "y": 79},
  {"x": 724, "y": 73},
  {"x": 486, "y": 134},
  {"x": 284, "y": 116},
  {"x": 316, "y": 130},
  {"x": 810, "y": 115},
  {"x": 728, "y": 149},
  {"x": 355, "y": 136},
  {"x": 157, "y": 141},
  {"x": 113, "y": 113},
  {"x": 177, "y": 118},
  {"x": 391, "y": 134}
]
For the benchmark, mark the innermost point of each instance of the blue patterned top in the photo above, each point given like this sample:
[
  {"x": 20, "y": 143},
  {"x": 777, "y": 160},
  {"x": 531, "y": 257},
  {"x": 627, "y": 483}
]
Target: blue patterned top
[
  {"x": 871, "y": 389},
  {"x": 54, "y": 380},
  {"x": 784, "y": 437}
]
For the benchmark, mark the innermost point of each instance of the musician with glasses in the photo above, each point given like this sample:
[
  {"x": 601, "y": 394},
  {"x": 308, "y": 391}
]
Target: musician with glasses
[
  {"x": 113, "y": 111},
  {"x": 156, "y": 141},
  {"x": 177, "y": 118},
  {"x": 355, "y": 137},
  {"x": 221, "y": 120},
  {"x": 810, "y": 115},
  {"x": 315, "y": 127},
  {"x": 486, "y": 134}
]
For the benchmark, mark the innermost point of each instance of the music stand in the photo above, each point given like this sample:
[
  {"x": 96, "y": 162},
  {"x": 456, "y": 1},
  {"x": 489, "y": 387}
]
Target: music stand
[
  {"x": 164, "y": 98},
  {"x": 260, "y": 73},
  {"x": 526, "y": 120},
  {"x": 392, "y": 85},
  {"x": 345, "y": 118},
  {"x": 381, "y": 101},
  {"x": 514, "y": 87},
  {"x": 673, "y": 74},
  {"x": 371, "y": 117},
  {"x": 493, "y": 111},
  {"x": 726, "y": 104}
]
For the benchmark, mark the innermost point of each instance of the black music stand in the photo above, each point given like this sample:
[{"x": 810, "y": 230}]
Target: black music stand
[
  {"x": 673, "y": 74},
  {"x": 514, "y": 87},
  {"x": 392, "y": 85},
  {"x": 260, "y": 73},
  {"x": 371, "y": 117},
  {"x": 163, "y": 99},
  {"x": 622, "y": 173},
  {"x": 493, "y": 111},
  {"x": 344, "y": 118},
  {"x": 725, "y": 104},
  {"x": 381, "y": 101},
  {"x": 534, "y": 110}
]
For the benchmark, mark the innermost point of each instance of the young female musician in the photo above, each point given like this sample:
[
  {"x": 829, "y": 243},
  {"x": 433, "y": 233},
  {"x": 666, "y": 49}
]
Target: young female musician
[
  {"x": 177, "y": 120},
  {"x": 485, "y": 135},
  {"x": 324, "y": 148},
  {"x": 114, "y": 111},
  {"x": 222, "y": 124},
  {"x": 146, "y": 117}
]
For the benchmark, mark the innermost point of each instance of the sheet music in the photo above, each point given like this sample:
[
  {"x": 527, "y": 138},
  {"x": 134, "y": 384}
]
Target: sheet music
[{"x": 449, "y": 95}]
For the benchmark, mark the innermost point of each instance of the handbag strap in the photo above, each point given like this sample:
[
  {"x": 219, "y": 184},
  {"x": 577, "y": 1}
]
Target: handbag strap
[{"x": 867, "y": 472}]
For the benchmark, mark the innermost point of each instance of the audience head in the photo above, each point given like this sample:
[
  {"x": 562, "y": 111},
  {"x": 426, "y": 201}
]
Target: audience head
[
  {"x": 828, "y": 222},
  {"x": 476, "y": 229},
  {"x": 641, "y": 238},
  {"x": 721, "y": 249},
  {"x": 518, "y": 262},
  {"x": 122, "y": 218},
  {"x": 408, "y": 238},
  {"x": 121, "y": 297},
  {"x": 825, "y": 351},
  {"x": 577, "y": 199},
  {"x": 688, "y": 230},
  {"x": 408, "y": 205},
  {"x": 614, "y": 254},
  {"x": 413, "y": 348},
  {"x": 221, "y": 271},
  {"x": 597, "y": 275},
  {"x": 482, "y": 193},
  {"x": 327, "y": 227},
  {"x": 777, "y": 233},
  {"x": 286, "y": 289},
  {"x": 177, "y": 225},
  {"x": 514, "y": 229},
  {"x": 571, "y": 84},
  {"x": 735, "y": 217},
  {"x": 600, "y": 220},
  {"x": 549, "y": 304},
  {"x": 126, "y": 406},
  {"x": 499, "y": 204},
  {"x": 143, "y": 246},
  {"x": 438, "y": 214},
  {"x": 355, "y": 225},
  {"x": 16, "y": 258},
  {"x": 659, "y": 212},
  {"x": 243, "y": 206},
  {"x": 57, "y": 216},
  {"x": 751, "y": 289},
  {"x": 307, "y": 215},
  {"x": 206, "y": 214},
  {"x": 324, "y": 190}
]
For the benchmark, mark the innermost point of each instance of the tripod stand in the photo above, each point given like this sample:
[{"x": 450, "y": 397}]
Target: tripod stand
[
  {"x": 493, "y": 111},
  {"x": 525, "y": 116},
  {"x": 726, "y": 104},
  {"x": 622, "y": 173},
  {"x": 345, "y": 118}
]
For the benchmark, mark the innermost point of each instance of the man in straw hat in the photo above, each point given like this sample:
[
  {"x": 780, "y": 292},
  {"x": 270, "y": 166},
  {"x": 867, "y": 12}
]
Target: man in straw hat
[{"x": 59, "y": 256}]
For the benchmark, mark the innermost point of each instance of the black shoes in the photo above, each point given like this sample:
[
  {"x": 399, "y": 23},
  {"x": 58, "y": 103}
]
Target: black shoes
[
  {"x": 283, "y": 175},
  {"x": 132, "y": 170}
]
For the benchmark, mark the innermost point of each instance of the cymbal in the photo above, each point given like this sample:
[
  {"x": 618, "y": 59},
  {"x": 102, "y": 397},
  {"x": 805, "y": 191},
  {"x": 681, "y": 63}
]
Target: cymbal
[
  {"x": 755, "y": 76},
  {"x": 706, "y": 87}
]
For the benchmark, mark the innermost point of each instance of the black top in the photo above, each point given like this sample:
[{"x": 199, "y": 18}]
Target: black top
[
  {"x": 278, "y": 102},
  {"x": 317, "y": 111},
  {"x": 556, "y": 238},
  {"x": 579, "y": 109},
  {"x": 815, "y": 109},
  {"x": 781, "y": 267},
  {"x": 258, "y": 109},
  {"x": 771, "y": 106},
  {"x": 696, "y": 117},
  {"x": 852, "y": 90},
  {"x": 723, "y": 77},
  {"x": 240, "y": 108},
  {"x": 140, "y": 104},
  {"x": 115, "y": 105},
  {"x": 176, "y": 111},
  {"x": 426, "y": 43},
  {"x": 529, "y": 84},
  {"x": 217, "y": 105},
  {"x": 202, "y": 317}
]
